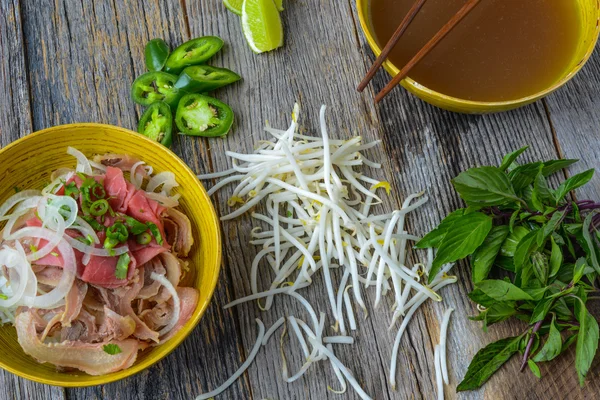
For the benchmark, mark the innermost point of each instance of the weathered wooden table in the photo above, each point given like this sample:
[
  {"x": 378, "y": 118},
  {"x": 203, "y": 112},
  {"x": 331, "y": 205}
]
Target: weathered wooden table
[{"x": 66, "y": 61}]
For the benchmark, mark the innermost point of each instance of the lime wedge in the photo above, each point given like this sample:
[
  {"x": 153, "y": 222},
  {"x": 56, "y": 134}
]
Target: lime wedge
[
  {"x": 261, "y": 24},
  {"x": 235, "y": 6}
]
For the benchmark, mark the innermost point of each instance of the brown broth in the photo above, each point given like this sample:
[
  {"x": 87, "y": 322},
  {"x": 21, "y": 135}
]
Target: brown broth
[{"x": 503, "y": 50}]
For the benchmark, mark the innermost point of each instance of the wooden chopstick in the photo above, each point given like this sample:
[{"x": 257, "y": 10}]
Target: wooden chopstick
[
  {"x": 469, "y": 5},
  {"x": 416, "y": 7}
]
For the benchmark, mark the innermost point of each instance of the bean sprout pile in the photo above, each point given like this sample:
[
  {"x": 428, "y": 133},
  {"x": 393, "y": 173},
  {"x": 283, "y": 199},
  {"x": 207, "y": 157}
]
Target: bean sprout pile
[{"x": 319, "y": 212}]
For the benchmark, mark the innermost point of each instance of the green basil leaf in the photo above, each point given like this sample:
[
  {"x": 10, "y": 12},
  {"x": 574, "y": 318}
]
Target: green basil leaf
[
  {"x": 562, "y": 310},
  {"x": 513, "y": 219},
  {"x": 536, "y": 201},
  {"x": 553, "y": 166},
  {"x": 541, "y": 310},
  {"x": 573, "y": 183},
  {"x": 551, "y": 225},
  {"x": 534, "y": 368},
  {"x": 487, "y": 361},
  {"x": 553, "y": 346},
  {"x": 505, "y": 263},
  {"x": 510, "y": 244},
  {"x": 540, "y": 186},
  {"x": 461, "y": 240},
  {"x": 592, "y": 254},
  {"x": 536, "y": 293},
  {"x": 568, "y": 342},
  {"x": 485, "y": 255},
  {"x": 502, "y": 291},
  {"x": 524, "y": 175},
  {"x": 587, "y": 343},
  {"x": 556, "y": 257},
  {"x": 526, "y": 246},
  {"x": 508, "y": 159},
  {"x": 479, "y": 297},
  {"x": 485, "y": 186},
  {"x": 541, "y": 268},
  {"x": 579, "y": 270},
  {"x": 435, "y": 237}
]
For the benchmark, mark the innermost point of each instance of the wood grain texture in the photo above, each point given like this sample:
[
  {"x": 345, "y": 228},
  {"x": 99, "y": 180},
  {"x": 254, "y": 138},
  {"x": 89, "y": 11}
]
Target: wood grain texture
[
  {"x": 80, "y": 58},
  {"x": 15, "y": 122},
  {"x": 574, "y": 112}
]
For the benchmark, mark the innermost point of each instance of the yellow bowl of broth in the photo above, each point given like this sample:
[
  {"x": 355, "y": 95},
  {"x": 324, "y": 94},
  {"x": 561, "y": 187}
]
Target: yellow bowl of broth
[{"x": 503, "y": 55}]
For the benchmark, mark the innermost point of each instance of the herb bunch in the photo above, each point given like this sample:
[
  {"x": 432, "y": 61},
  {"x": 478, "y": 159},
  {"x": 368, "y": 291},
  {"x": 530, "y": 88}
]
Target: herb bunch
[{"x": 546, "y": 247}]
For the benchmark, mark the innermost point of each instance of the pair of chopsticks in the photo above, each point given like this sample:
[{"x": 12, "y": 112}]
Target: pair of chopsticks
[{"x": 412, "y": 13}]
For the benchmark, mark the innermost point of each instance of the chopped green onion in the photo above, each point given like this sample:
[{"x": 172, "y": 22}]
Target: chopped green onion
[
  {"x": 99, "y": 207},
  {"x": 72, "y": 190},
  {"x": 289, "y": 214},
  {"x": 143, "y": 238},
  {"x": 17, "y": 190},
  {"x": 135, "y": 227},
  {"x": 54, "y": 254},
  {"x": 84, "y": 240},
  {"x": 155, "y": 232},
  {"x": 110, "y": 243},
  {"x": 3, "y": 297},
  {"x": 122, "y": 266},
  {"x": 117, "y": 232},
  {"x": 93, "y": 223},
  {"x": 33, "y": 248},
  {"x": 112, "y": 349}
]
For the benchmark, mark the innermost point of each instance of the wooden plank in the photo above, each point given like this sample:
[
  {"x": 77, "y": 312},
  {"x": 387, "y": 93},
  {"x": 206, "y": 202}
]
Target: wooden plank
[
  {"x": 15, "y": 122},
  {"x": 430, "y": 145},
  {"x": 85, "y": 57},
  {"x": 425, "y": 148},
  {"x": 573, "y": 112},
  {"x": 15, "y": 119}
]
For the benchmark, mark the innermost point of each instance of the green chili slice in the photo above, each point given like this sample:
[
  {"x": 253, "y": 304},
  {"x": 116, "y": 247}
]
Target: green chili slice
[
  {"x": 155, "y": 86},
  {"x": 98, "y": 191},
  {"x": 122, "y": 266},
  {"x": 143, "y": 238},
  {"x": 155, "y": 232},
  {"x": 194, "y": 52},
  {"x": 204, "y": 78},
  {"x": 156, "y": 54},
  {"x": 157, "y": 123},
  {"x": 99, "y": 207},
  {"x": 200, "y": 115}
]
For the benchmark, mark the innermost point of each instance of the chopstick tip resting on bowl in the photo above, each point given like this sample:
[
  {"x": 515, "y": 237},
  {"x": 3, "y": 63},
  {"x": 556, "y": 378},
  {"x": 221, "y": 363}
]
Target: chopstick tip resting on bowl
[{"x": 416, "y": 7}]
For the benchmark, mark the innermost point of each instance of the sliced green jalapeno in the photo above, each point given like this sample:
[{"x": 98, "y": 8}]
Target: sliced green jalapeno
[
  {"x": 156, "y": 53},
  {"x": 155, "y": 86},
  {"x": 194, "y": 52},
  {"x": 200, "y": 115},
  {"x": 157, "y": 123},
  {"x": 204, "y": 78}
]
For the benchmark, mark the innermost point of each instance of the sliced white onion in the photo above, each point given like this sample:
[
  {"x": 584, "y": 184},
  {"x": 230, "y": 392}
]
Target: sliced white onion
[
  {"x": 176, "y": 302},
  {"x": 83, "y": 164}
]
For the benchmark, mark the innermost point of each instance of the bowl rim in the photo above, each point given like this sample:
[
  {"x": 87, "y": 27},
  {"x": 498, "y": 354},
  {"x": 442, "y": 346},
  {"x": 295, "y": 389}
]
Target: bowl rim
[
  {"x": 421, "y": 90},
  {"x": 164, "y": 349}
]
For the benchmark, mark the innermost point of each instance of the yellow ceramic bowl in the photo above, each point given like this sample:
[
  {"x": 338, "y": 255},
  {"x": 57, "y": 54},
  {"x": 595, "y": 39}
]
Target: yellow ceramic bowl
[
  {"x": 590, "y": 15},
  {"x": 28, "y": 162}
]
